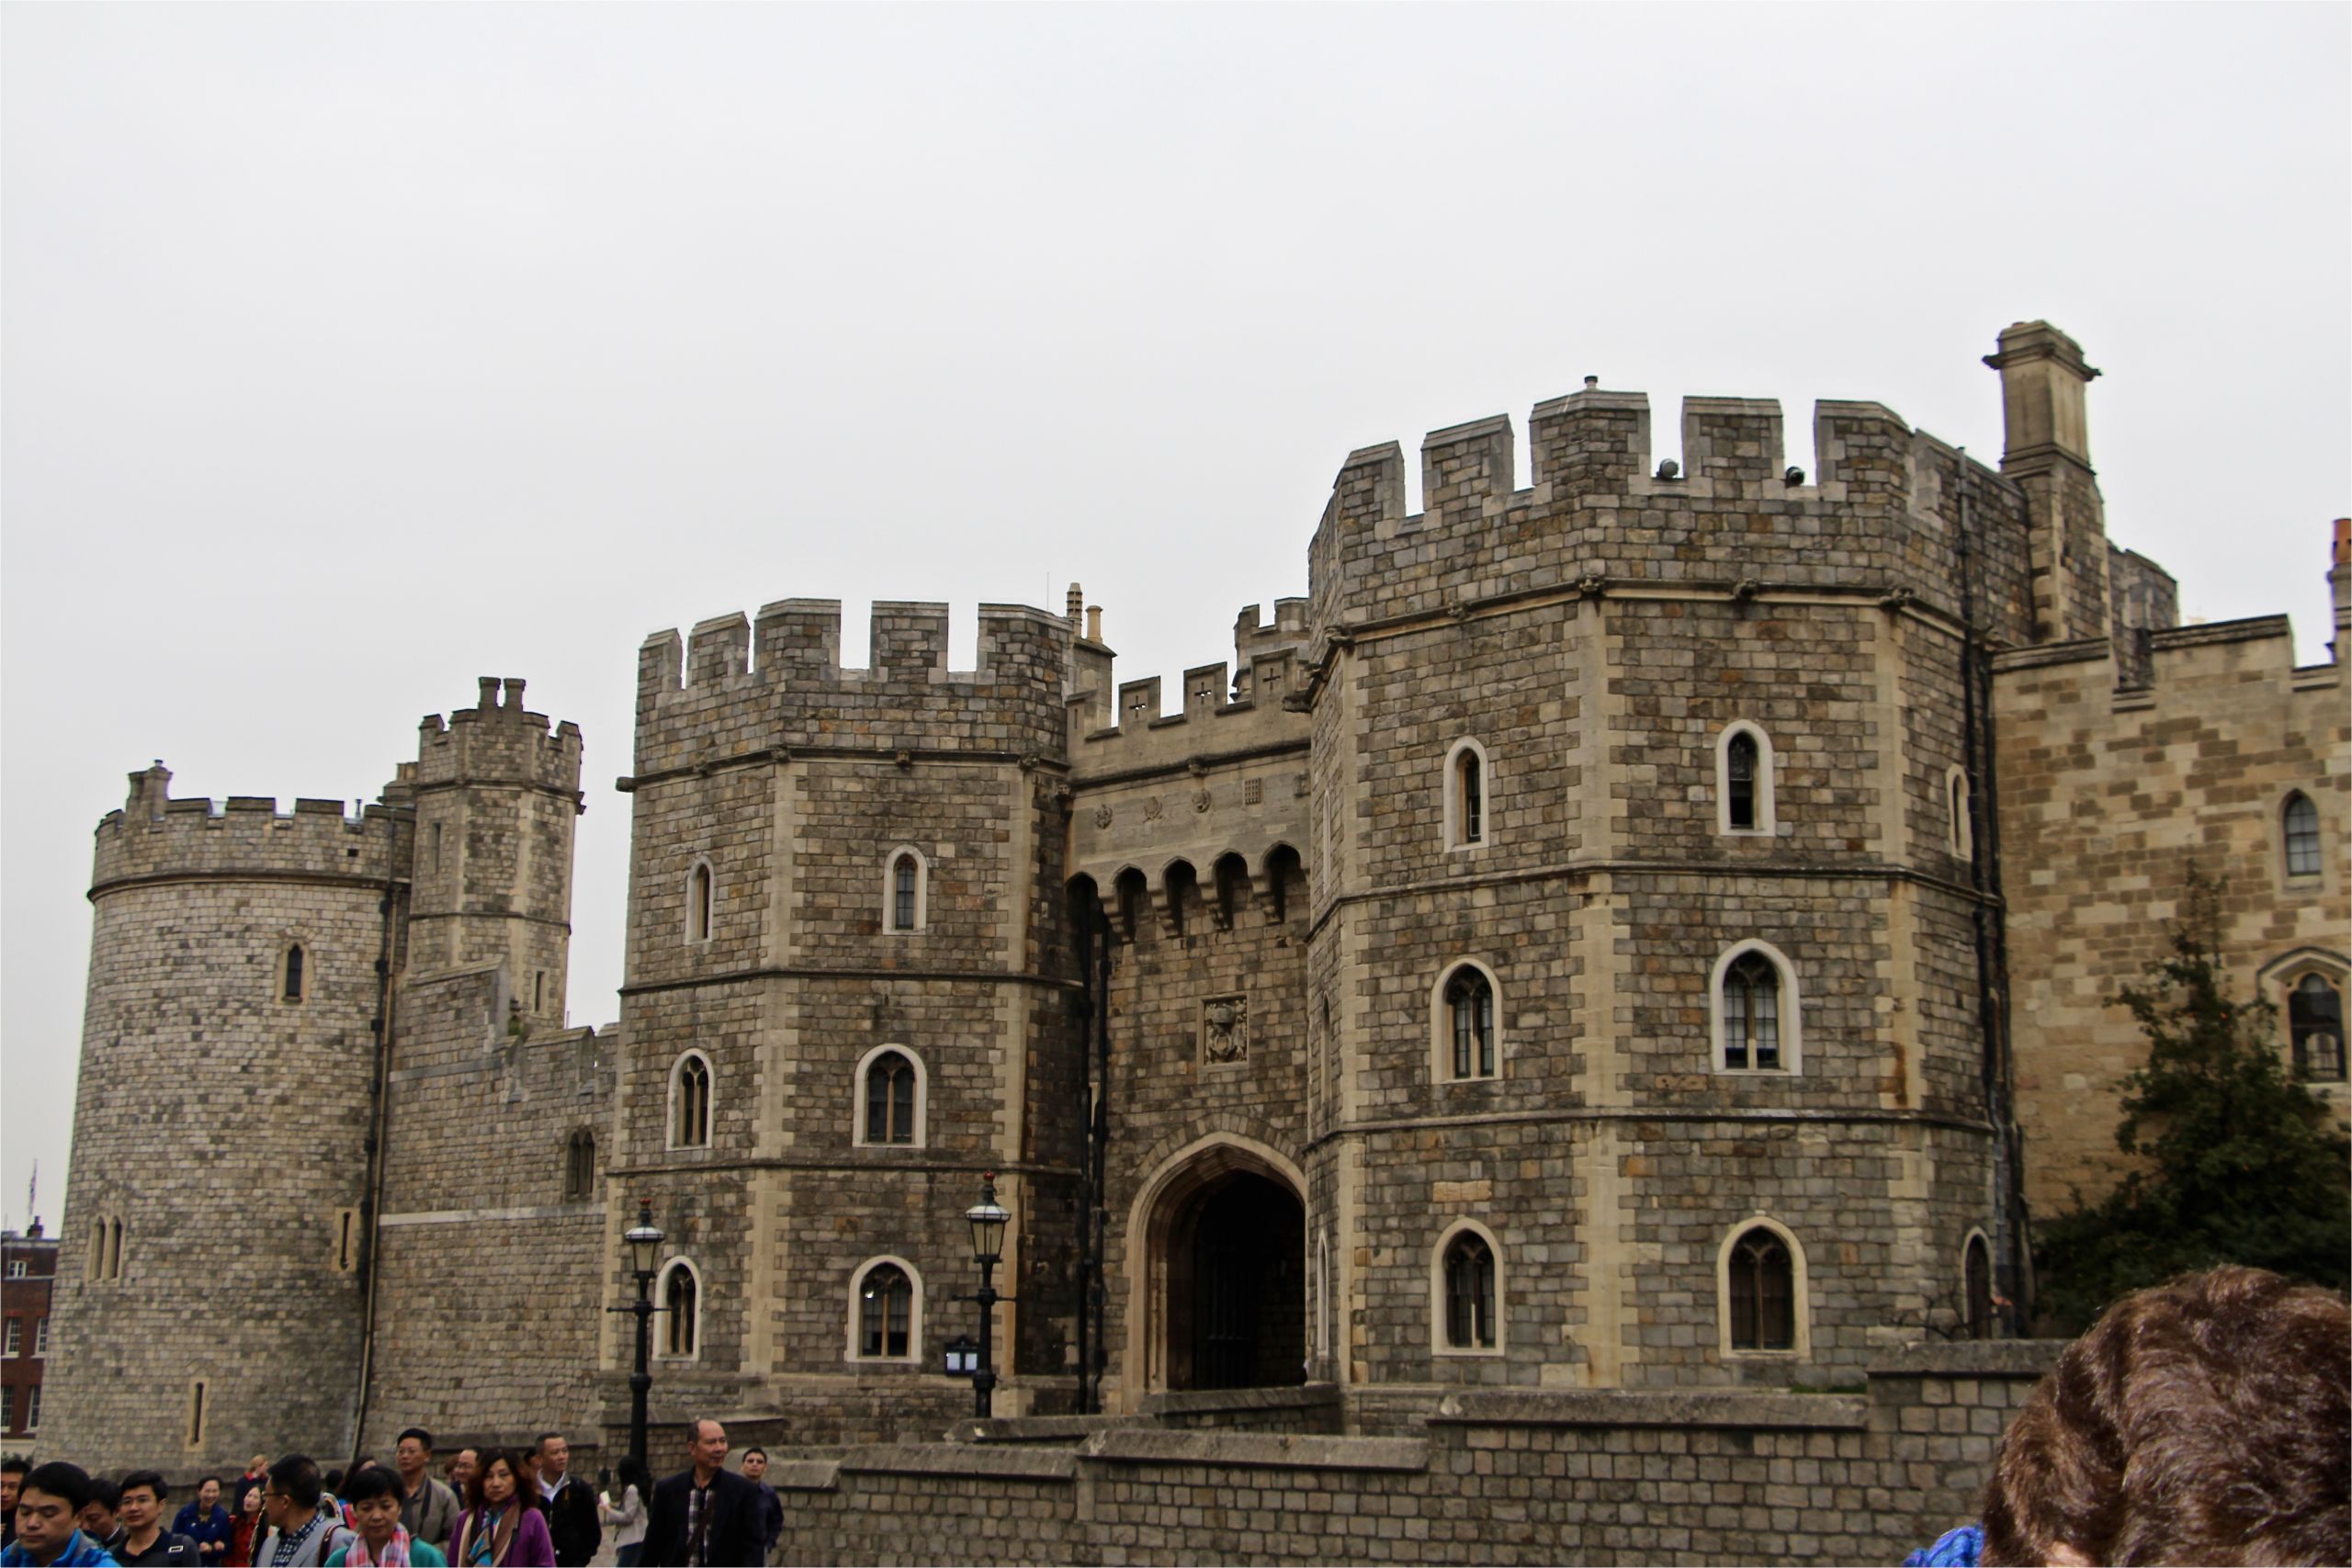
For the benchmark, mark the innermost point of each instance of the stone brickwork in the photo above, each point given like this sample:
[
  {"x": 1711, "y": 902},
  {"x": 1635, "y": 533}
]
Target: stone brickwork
[
  {"x": 2109, "y": 792},
  {"x": 796, "y": 784},
  {"x": 1525, "y": 1477},
  {"x": 220, "y": 1127},
  {"x": 323, "y": 1298}
]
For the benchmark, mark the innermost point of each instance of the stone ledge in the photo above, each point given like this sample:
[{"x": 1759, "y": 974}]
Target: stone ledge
[
  {"x": 1609, "y": 1407},
  {"x": 1214, "y": 1401},
  {"x": 2253, "y": 628},
  {"x": 1039, "y": 1428},
  {"x": 806, "y": 1475},
  {"x": 955, "y": 1459},
  {"x": 1970, "y": 1359},
  {"x": 1264, "y": 1450},
  {"x": 2089, "y": 651}
]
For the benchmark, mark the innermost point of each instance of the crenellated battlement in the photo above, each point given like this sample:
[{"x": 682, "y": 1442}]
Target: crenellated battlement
[
  {"x": 245, "y": 835},
  {"x": 498, "y": 741},
  {"x": 1223, "y": 707},
  {"x": 737, "y": 682},
  {"x": 1882, "y": 512}
]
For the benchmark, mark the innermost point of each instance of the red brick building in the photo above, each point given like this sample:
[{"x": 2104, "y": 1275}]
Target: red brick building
[{"x": 28, "y": 1267}]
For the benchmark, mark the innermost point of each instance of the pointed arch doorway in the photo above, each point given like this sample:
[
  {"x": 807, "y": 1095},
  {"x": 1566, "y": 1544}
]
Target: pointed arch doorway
[{"x": 1221, "y": 1298}]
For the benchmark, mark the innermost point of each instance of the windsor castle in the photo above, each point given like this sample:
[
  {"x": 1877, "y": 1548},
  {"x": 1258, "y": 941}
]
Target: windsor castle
[{"x": 1631, "y": 925}]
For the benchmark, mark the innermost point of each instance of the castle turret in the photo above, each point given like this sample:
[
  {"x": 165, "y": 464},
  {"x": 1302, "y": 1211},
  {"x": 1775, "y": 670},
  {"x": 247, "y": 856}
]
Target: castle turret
[
  {"x": 2046, "y": 449},
  {"x": 496, "y": 796},
  {"x": 210, "y": 1282}
]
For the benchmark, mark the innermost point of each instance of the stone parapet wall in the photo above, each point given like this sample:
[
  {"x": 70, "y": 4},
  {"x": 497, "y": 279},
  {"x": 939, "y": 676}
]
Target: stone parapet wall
[{"x": 1493, "y": 1477}]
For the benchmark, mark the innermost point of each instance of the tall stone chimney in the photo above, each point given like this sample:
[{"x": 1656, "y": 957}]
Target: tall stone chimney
[{"x": 2046, "y": 449}]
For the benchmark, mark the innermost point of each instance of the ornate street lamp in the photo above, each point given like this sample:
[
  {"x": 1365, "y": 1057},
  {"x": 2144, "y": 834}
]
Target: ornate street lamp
[
  {"x": 963, "y": 1356},
  {"x": 987, "y": 1217},
  {"x": 644, "y": 1239}
]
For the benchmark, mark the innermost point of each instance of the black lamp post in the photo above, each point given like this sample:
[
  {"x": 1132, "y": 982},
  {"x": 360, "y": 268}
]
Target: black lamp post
[
  {"x": 987, "y": 1217},
  {"x": 644, "y": 1239}
]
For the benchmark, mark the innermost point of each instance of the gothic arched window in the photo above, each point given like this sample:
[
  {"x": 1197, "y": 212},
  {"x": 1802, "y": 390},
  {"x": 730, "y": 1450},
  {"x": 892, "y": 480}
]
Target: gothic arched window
[
  {"x": 884, "y": 1313},
  {"x": 1751, "y": 1014},
  {"x": 1470, "y": 1022},
  {"x": 890, "y": 1100},
  {"x": 580, "y": 1164},
  {"x": 701, "y": 902},
  {"x": 295, "y": 963},
  {"x": 1762, "y": 1291},
  {"x": 681, "y": 1311},
  {"x": 905, "y": 894},
  {"x": 1469, "y": 1293},
  {"x": 1739, "y": 781},
  {"x": 690, "y": 1102},
  {"x": 1977, "y": 1271}
]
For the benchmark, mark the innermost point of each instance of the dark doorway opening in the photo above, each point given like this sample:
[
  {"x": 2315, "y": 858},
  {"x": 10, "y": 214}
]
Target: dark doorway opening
[{"x": 1237, "y": 1295}]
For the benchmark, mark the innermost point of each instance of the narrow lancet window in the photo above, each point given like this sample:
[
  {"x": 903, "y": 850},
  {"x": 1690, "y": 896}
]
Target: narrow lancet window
[
  {"x": 1469, "y": 1294},
  {"x": 1739, "y": 780},
  {"x": 1752, "y": 1014}
]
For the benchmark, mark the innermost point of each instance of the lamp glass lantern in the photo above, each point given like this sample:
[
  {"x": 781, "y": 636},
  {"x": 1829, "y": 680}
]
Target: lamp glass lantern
[
  {"x": 644, "y": 1239},
  {"x": 963, "y": 1356},
  {"x": 987, "y": 1217}
]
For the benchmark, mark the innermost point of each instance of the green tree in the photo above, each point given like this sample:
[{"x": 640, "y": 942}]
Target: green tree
[{"x": 2243, "y": 1164}]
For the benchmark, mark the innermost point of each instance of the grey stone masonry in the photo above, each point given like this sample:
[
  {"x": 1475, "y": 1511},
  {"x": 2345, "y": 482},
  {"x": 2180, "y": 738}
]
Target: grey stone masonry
[{"x": 1518, "y": 1477}]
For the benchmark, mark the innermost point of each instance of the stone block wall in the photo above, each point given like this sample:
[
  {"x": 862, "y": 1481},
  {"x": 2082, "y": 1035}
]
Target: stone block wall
[
  {"x": 795, "y": 784},
  {"x": 1501, "y": 1477},
  {"x": 489, "y": 1259},
  {"x": 2108, "y": 795},
  {"x": 222, "y": 1127}
]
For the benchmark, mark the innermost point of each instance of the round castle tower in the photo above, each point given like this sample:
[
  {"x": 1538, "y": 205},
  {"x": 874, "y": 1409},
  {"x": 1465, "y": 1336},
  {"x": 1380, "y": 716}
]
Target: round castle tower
[{"x": 210, "y": 1289}]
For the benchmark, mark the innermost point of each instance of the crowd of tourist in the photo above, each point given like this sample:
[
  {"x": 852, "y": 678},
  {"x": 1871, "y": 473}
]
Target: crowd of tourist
[{"x": 489, "y": 1508}]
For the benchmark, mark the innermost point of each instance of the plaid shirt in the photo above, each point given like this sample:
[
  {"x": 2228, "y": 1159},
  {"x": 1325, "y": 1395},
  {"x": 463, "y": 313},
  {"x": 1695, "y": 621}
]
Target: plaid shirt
[{"x": 698, "y": 1512}]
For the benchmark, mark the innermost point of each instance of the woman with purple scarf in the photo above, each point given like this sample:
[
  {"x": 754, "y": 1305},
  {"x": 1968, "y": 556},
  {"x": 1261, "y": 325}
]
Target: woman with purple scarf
[{"x": 501, "y": 1529}]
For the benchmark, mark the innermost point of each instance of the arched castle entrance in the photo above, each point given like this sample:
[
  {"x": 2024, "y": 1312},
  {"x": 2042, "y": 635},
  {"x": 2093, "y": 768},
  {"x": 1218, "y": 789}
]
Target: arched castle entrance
[{"x": 1221, "y": 1301}]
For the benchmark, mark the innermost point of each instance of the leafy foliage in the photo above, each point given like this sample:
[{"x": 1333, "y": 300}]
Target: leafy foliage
[{"x": 2244, "y": 1165}]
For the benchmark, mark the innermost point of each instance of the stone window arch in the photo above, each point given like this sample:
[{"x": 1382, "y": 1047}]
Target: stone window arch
[
  {"x": 1960, "y": 837},
  {"x": 1753, "y": 1009},
  {"x": 702, "y": 900},
  {"x": 1466, "y": 1291},
  {"x": 2298, "y": 835},
  {"x": 690, "y": 1101},
  {"x": 580, "y": 1166},
  {"x": 1981, "y": 1315},
  {"x": 1465, "y": 1024},
  {"x": 2307, "y": 985},
  {"x": 293, "y": 973},
  {"x": 1762, "y": 1291},
  {"x": 886, "y": 1312},
  {"x": 892, "y": 1098},
  {"x": 680, "y": 1297},
  {"x": 906, "y": 891},
  {"x": 1744, "y": 769},
  {"x": 1469, "y": 795},
  {"x": 106, "y": 1248}
]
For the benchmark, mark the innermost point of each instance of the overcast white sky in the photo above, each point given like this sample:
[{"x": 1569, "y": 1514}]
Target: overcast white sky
[{"x": 352, "y": 352}]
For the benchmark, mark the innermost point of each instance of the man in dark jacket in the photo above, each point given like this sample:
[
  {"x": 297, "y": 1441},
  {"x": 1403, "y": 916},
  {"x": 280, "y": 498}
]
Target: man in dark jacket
[
  {"x": 707, "y": 1517},
  {"x": 569, "y": 1503},
  {"x": 145, "y": 1538}
]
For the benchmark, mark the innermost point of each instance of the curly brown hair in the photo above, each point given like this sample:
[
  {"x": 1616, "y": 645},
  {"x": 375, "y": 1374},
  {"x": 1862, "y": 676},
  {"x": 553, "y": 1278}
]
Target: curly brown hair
[{"x": 2206, "y": 1420}]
